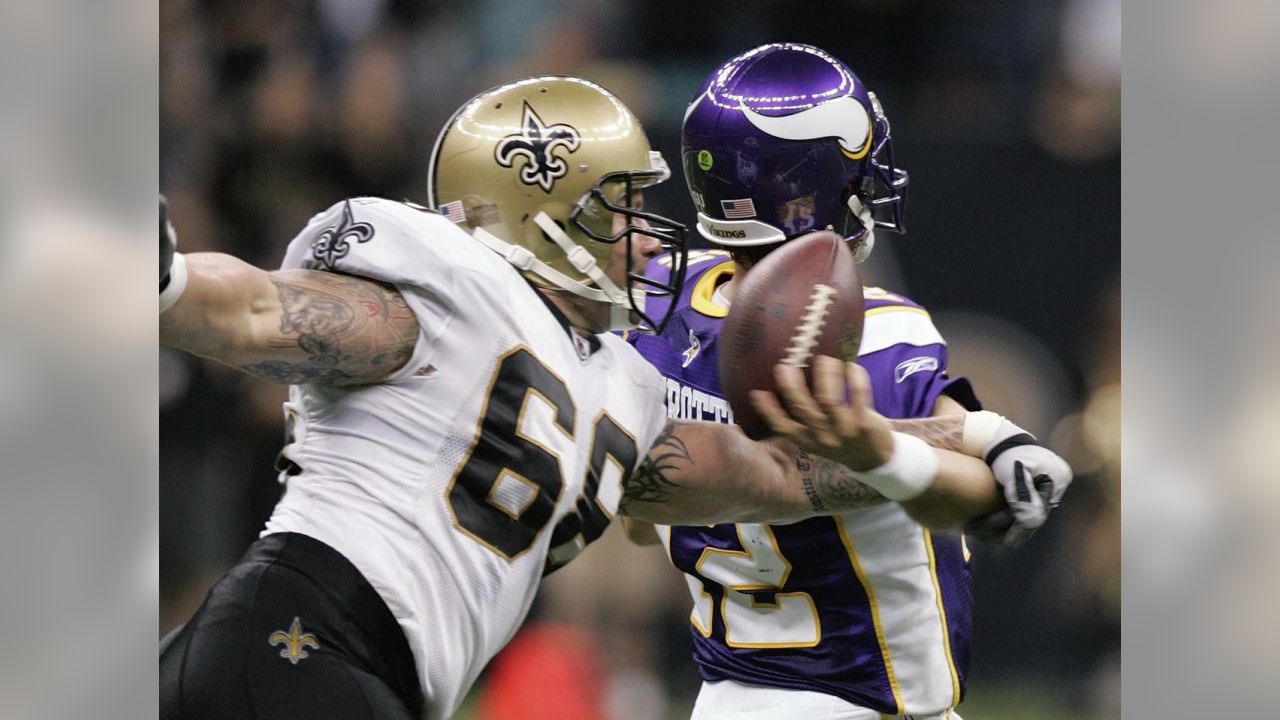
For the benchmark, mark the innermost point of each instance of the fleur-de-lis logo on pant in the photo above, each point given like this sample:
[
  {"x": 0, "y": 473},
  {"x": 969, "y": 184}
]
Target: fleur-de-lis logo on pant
[
  {"x": 334, "y": 243},
  {"x": 536, "y": 143},
  {"x": 295, "y": 642}
]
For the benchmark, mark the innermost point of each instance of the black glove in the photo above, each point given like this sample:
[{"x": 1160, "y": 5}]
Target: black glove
[{"x": 168, "y": 244}]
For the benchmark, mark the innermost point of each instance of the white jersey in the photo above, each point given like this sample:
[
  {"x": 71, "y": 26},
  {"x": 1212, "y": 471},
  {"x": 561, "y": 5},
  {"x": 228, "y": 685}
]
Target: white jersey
[{"x": 497, "y": 451}]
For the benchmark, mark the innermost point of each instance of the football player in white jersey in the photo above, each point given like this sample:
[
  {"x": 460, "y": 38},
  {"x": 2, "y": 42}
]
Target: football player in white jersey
[
  {"x": 458, "y": 423},
  {"x": 861, "y": 614}
]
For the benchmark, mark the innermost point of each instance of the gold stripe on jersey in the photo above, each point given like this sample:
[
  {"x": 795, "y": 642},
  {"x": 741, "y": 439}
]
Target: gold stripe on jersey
[
  {"x": 942, "y": 617},
  {"x": 703, "y": 291},
  {"x": 875, "y": 613},
  {"x": 870, "y": 292},
  {"x": 896, "y": 308}
]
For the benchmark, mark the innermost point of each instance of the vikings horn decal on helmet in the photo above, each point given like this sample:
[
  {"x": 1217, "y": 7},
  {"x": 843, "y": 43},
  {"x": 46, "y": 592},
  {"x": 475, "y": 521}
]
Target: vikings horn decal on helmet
[
  {"x": 792, "y": 130},
  {"x": 536, "y": 143},
  {"x": 843, "y": 119},
  {"x": 582, "y": 157}
]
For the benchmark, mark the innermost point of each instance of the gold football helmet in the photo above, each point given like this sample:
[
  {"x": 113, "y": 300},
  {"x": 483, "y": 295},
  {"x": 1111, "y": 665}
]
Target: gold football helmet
[{"x": 536, "y": 170}]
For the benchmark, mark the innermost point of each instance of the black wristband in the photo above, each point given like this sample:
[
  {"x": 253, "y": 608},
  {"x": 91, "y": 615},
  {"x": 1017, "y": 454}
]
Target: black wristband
[{"x": 1008, "y": 443}]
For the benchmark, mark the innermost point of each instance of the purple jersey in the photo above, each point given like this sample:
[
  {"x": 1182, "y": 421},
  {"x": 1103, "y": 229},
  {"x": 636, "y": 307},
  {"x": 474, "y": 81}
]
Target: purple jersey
[{"x": 868, "y": 605}]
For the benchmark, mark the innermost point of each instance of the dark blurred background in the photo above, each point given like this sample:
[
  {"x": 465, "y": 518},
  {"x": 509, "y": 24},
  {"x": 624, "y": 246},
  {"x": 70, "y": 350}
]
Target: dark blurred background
[{"x": 1005, "y": 112}]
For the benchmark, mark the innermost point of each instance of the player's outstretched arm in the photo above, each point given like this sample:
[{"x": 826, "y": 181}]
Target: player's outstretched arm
[
  {"x": 848, "y": 449},
  {"x": 703, "y": 472},
  {"x": 699, "y": 472},
  {"x": 287, "y": 326}
]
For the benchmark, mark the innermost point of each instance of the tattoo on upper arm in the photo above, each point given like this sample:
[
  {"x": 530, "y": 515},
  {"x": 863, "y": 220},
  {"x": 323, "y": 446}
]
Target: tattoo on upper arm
[
  {"x": 649, "y": 482},
  {"x": 945, "y": 432},
  {"x": 351, "y": 330},
  {"x": 832, "y": 487}
]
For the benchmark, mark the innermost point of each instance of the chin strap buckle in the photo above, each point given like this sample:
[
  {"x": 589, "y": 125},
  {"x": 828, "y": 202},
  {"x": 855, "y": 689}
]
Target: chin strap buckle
[
  {"x": 581, "y": 260},
  {"x": 868, "y": 222},
  {"x": 520, "y": 257}
]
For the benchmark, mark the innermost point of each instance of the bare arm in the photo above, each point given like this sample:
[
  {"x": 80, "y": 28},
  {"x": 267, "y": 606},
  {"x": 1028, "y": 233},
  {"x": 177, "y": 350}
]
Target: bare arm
[
  {"x": 290, "y": 326},
  {"x": 964, "y": 489},
  {"x": 942, "y": 431},
  {"x": 843, "y": 435},
  {"x": 829, "y": 487},
  {"x": 701, "y": 472}
]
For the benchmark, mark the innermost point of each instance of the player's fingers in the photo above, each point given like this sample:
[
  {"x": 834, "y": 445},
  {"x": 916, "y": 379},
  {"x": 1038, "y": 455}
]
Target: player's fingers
[
  {"x": 859, "y": 390},
  {"x": 770, "y": 410},
  {"x": 829, "y": 384},
  {"x": 1028, "y": 507},
  {"x": 800, "y": 404}
]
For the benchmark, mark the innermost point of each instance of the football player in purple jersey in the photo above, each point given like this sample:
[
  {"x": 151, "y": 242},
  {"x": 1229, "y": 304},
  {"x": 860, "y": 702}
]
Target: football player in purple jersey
[{"x": 863, "y": 613}]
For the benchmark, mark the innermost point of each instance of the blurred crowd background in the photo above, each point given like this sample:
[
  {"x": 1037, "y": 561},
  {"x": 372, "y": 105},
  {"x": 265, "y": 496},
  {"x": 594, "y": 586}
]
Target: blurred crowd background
[{"x": 1005, "y": 112}]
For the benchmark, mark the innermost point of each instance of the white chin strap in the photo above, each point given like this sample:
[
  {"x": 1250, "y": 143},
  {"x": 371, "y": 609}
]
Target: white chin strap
[
  {"x": 620, "y": 314},
  {"x": 863, "y": 213}
]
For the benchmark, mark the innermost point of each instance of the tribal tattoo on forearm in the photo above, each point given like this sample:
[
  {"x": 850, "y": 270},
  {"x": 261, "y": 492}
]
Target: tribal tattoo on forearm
[
  {"x": 352, "y": 330},
  {"x": 945, "y": 432},
  {"x": 649, "y": 484}
]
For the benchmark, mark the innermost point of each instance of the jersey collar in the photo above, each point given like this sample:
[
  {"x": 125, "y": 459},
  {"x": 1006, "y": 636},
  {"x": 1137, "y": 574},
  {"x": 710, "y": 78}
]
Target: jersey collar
[{"x": 584, "y": 344}]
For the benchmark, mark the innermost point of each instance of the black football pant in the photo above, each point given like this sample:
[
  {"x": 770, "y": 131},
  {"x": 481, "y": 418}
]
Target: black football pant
[{"x": 292, "y": 631}]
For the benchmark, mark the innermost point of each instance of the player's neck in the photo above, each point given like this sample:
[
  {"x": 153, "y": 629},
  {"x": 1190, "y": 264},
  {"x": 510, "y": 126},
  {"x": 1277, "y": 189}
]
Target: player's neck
[
  {"x": 729, "y": 289},
  {"x": 585, "y": 316}
]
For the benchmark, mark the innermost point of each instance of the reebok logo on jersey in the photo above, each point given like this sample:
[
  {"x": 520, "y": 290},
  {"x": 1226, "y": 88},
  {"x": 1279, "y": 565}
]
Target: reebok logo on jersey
[{"x": 907, "y": 368}]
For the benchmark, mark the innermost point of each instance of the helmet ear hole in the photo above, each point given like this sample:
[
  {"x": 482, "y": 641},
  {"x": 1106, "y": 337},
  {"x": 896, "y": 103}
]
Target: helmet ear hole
[
  {"x": 850, "y": 189},
  {"x": 546, "y": 237}
]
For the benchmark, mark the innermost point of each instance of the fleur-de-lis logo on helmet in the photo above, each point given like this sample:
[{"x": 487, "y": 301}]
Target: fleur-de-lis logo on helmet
[{"x": 536, "y": 143}]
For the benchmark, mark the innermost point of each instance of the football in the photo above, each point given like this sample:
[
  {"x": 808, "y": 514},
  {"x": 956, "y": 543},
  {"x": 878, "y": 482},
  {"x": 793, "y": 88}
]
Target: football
[{"x": 802, "y": 300}]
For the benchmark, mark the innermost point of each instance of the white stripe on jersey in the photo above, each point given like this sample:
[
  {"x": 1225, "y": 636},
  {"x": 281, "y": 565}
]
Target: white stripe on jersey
[
  {"x": 892, "y": 552},
  {"x": 897, "y": 325}
]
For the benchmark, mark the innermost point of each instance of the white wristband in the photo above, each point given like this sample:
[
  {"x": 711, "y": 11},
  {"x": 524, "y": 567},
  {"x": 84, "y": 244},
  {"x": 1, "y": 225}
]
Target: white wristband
[
  {"x": 979, "y": 430},
  {"x": 177, "y": 282},
  {"x": 910, "y": 469}
]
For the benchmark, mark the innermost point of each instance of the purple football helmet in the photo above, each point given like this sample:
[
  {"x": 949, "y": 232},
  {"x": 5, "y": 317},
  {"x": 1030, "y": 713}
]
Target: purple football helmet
[{"x": 783, "y": 140}]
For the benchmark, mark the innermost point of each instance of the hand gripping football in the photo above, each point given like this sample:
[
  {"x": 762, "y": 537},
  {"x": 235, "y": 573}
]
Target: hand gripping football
[{"x": 804, "y": 299}]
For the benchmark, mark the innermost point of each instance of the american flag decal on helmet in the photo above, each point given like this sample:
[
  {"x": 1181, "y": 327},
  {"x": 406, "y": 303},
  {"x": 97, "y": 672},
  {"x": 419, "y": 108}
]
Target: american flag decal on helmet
[
  {"x": 453, "y": 212},
  {"x": 738, "y": 209}
]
